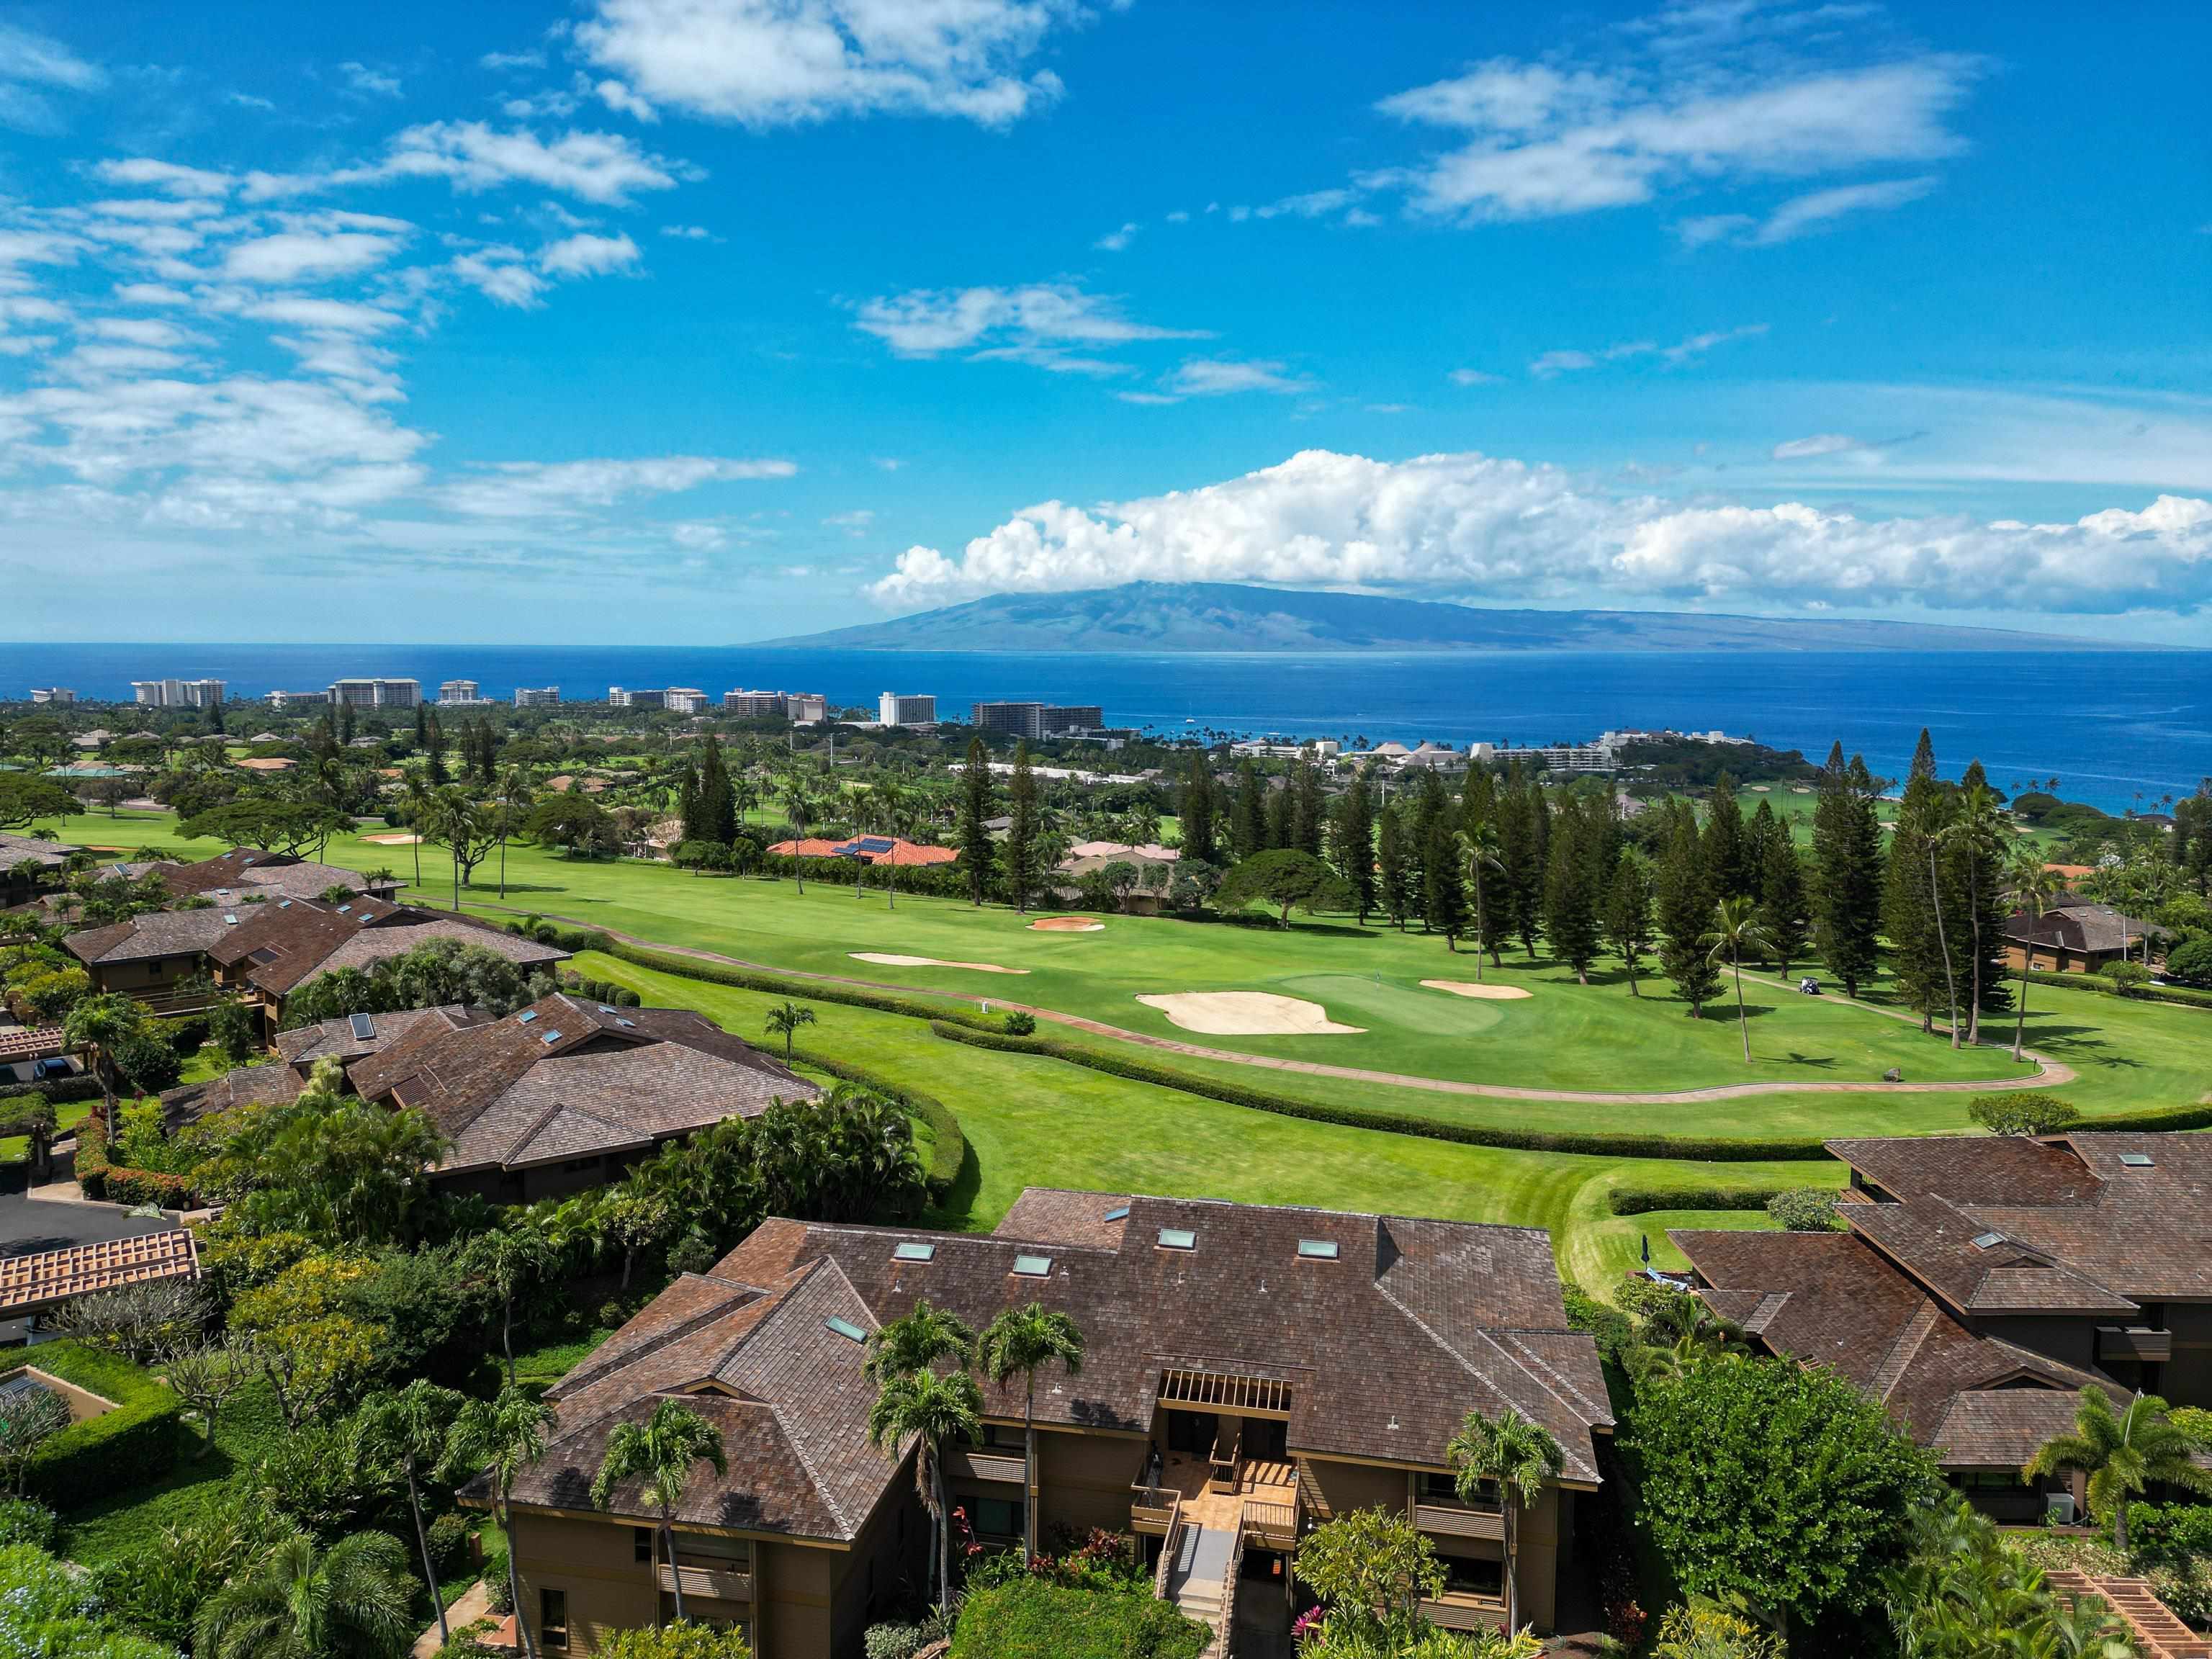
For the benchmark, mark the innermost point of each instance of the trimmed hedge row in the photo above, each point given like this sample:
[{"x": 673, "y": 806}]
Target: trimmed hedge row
[
  {"x": 119, "y": 1183},
  {"x": 2162, "y": 1119},
  {"x": 748, "y": 979},
  {"x": 60, "y": 1090},
  {"x": 948, "y": 1141},
  {"x": 2180, "y": 995},
  {"x": 127, "y": 1446},
  {"x": 1696, "y": 1149},
  {"x": 1645, "y": 1201}
]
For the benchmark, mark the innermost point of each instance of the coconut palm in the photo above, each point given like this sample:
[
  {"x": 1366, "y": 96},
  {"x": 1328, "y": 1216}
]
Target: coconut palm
[
  {"x": 1515, "y": 1455},
  {"x": 1735, "y": 930},
  {"x": 1480, "y": 849},
  {"x": 932, "y": 1411},
  {"x": 1019, "y": 1342},
  {"x": 2122, "y": 1453},
  {"x": 917, "y": 1342},
  {"x": 785, "y": 1020},
  {"x": 660, "y": 1453},
  {"x": 414, "y": 1428},
  {"x": 98, "y": 1025},
  {"x": 349, "y": 1601},
  {"x": 2035, "y": 889},
  {"x": 510, "y": 1260},
  {"x": 416, "y": 794},
  {"x": 507, "y": 1435}
]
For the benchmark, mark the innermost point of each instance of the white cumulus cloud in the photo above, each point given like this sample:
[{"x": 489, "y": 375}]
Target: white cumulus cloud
[
  {"x": 586, "y": 255},
  {"x": 1481, "y": 526}
]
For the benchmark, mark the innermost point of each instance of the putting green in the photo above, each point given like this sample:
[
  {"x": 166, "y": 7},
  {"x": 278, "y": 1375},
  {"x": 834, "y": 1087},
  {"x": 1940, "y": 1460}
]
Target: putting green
[{"x": 1391, "y": 1004}]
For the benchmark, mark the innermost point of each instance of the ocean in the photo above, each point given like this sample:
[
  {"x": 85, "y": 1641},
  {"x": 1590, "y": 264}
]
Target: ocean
[{"x": 2118, "y": 729}]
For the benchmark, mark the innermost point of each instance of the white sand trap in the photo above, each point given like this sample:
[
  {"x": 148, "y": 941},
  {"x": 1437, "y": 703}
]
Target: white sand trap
[
  {"x": 1067, "y": 924},
  {"x": 392, "y": 841},
  {"x": 1248, "y": 1013},
  {"x": 1467, "y": 988},
  {"x": 886, "y": 960}
]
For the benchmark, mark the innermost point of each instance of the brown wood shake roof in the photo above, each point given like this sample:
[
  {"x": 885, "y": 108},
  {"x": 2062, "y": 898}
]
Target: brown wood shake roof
[{"x": 1383, "y": 1332}]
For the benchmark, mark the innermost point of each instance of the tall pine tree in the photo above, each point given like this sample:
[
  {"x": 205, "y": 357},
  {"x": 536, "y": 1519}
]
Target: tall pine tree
[
  {"x": 1731, "y": 865},
  {"x": 1444, "y": 894},
  {"x": 1686, "y": 914},
  {"x": 976, "y": 847},
  {"x": 1848, "y": 871},
  {"x": 1524, "y": 821},
  {"x": 1574, "y": 887},
  {"x": 1308, "y": 810},
  {"x": 1199, "y": 837},
  {"x": 1974, "y": 852},
  {"x": 1915, "y": 914},
  {"x": 1393, "y": 872},
  {"x": 1628, "y": 915},
  {"x": 1247, "y": 829},
  {"x": 1784, "y": 912},
  {"x": 1351, "y": 841},
  {"x": 1020, "y": 851}
]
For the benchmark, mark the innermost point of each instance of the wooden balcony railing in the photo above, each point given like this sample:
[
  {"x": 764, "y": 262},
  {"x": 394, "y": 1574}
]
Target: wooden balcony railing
[
  {"x": 1275, "y": 1525},
  {"x": 1152, "y": 1510},
  {"x": 723, "y": 1584},
  {"x": 1227, "y": 1460},
  {"x": 1466, "y": 1610},
  {"x": 1457, "y": 1520}
]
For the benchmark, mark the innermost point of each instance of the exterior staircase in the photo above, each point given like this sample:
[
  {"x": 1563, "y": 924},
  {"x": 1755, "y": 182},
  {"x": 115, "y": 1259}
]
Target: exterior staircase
[{"x": 1197, "y": 1582}]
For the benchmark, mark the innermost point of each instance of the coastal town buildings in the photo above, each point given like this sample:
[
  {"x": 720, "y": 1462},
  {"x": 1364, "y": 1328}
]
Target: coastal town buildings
[
  {"x": 177, "y": 694},
  {"x": 376, "y": 693},
  {"x": 894, "y": 709}
]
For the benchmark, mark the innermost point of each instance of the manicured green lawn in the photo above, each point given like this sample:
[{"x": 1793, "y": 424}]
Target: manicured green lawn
[{"x": 1034, "y": 1121}]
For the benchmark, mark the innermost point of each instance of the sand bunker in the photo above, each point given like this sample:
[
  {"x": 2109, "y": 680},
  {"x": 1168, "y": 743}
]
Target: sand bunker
[
  {"x": 1467, "y": 988},
  {"x": 1067, "y": 924},
  {"x": 392, "y": 840},
  {"x": 1248, "y": 1013},
  {"x": 888, "y": 961}
]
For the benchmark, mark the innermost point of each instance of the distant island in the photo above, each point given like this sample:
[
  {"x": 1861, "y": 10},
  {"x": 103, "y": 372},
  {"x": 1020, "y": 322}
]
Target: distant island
[{"x": 1222, "y": 617}]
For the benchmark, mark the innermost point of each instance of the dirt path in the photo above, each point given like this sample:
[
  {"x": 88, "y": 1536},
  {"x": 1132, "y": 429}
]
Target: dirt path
[{"x": 2050, "y": 1073}]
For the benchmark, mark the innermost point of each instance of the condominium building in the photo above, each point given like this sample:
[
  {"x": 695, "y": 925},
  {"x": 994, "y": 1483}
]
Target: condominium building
[
  {"x": 376, "y": 693},
  {"x": 177, "y": 694},
  {"x": 1036, "y": 720},
  {"x": 460, "y": 694},
  {"x": 536, "y": 697},
  {"x": 894, "y": 709},
  {"x": 1249, "y": 1371},
  {"x": 621, "y": 697},
  {"x": 684, "y": 700},
  {"x": 806, "y": 708},
  {"x": 298, "y": 698},
  {"x": 756, "y": 705},
  {"x": 54, "y": 694}
]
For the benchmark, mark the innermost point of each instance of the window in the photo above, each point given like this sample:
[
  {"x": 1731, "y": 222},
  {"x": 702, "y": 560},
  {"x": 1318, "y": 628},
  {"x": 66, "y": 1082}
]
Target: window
[
  {"x": 1317, "y": 1250},
  {"x": 553, "y": 1618},
  {"x": 999, "y": 1518},
  {"x": 1033, "y": 1267},
  {"x": 640, "y": 1543},
  {"x": 1178, "y": 1238},
  {"x": 913, "y": 1250},
  {"x": 846, "y": 1328},
  {"x": 1438, "y": 1488},
  {"x": 1119, "y": 1213},
  {"x": 2135, "y": 1160},
  {"x": 1003, "y": 1437}
]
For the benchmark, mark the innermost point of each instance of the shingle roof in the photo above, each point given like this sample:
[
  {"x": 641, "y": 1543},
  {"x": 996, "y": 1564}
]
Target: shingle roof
[
  {"x": 158, "y": 934},
  {"x": 286, "y": 941},
  {"x": 248, "y": 869},
  {"x": 1833, "y": 1299},
  {"x": 1384, "y": 1348},
  {"x": 2083, "y": 929},
  {"x": 565, "y": 1078},
  {"x": 234, "y": 1088},
  {"x": 20, "y": 849},
  {"x": 336, "y": 1039}
]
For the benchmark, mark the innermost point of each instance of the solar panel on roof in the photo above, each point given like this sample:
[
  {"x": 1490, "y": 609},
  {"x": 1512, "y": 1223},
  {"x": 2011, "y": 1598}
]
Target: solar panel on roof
[
  {"x": 874, "y": 844},
  {"x": 364, "y": 1028}
]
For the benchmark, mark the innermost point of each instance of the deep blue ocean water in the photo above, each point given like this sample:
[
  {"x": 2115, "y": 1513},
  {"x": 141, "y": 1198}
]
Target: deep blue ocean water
[{"x": 2118, "y": 729}]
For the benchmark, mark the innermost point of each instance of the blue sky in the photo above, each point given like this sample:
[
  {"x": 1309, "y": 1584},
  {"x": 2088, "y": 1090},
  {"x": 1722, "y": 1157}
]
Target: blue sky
[{"x": 706, "y": 320}]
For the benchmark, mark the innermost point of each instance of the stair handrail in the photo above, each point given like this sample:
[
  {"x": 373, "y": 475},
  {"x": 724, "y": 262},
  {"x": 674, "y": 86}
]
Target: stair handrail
[
  {"x": 1230, "y": 1576},
  {"x": 1168, "y": 1549}
]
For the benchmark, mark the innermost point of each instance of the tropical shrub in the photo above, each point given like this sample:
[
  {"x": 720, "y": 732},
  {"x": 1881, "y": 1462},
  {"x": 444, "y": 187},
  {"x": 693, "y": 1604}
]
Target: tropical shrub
[{"x": 1805, "y": 1210}]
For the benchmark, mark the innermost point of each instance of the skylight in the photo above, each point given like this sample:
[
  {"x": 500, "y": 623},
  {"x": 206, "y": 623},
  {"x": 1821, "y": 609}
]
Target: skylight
[
  {"x": 283, "y": 904},
  {"x": 1178, "y": 1238},
  {"x": 229, "y": 919},
  {"x": 913, "y": 1250},
  {"x": 364, "y": 1028},
  {"x": 343, "y": 909},
  {"x": 1988, "y": 1241},
  {"x": 1033, "y": 1267},
  {"x": 605, "y": 1009},
  {"x": 846, "y": 1328},
  {"x": 525, "y": 1017},
  {"x": 550, "y": 1038},
  {"x": 2135, "y": 1160},
  {"x": 1317, "y": 1250},
  {"x": 630, "y": 1023},
  {"x": 1119, "y": 1213}
]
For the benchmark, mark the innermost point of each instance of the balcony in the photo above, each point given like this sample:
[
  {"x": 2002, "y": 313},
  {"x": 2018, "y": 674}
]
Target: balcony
[
  {"x": 1272, "y": 1526},
  {"x": 719, "y": 1584},
  {"x": 1458, "y": 1521},
  {"x": 1466, "y": 1610},
  {"x": 1152, "y": 1510},
  {"x": 981, "y": 1463},
  {"x": 2134, "y": 1342}
]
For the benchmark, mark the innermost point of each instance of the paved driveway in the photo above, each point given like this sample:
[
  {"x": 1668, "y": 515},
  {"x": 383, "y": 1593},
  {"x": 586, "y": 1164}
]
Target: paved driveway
[{"x": 31, "y": 1224}]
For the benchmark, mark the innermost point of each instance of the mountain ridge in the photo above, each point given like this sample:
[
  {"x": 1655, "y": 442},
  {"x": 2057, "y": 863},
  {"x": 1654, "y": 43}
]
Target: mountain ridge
[{"x": 1222, "y": 618}]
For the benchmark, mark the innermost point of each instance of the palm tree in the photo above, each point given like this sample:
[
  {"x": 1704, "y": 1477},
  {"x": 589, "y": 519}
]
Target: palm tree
[
  {"x": 2122, "y": 1453},
  {"x": 507, "y": 1434},
  {"x": 1479, "y": 846},
  {"x": 660, "y": 1452},
  {"x": 785, "y": 1020},
  {"x": 297, "y": 1601},
  {"x": 98, "y": 1025},
  {"x": 2035, "y": 888},
  {"x": 917, "y": 1342},
  {"x": 932, "y": 1410},
  {"x": 1978, "y": 833},
  {"x": 1517, "y": 1456},
  {"x": 509, "y": 1259},
  {"x": 416, "y": 792},
  {"x": 1019, "y": 1341},
  {"x": 414, "y": 1428},
  {"x": 1735, "y": 930}
]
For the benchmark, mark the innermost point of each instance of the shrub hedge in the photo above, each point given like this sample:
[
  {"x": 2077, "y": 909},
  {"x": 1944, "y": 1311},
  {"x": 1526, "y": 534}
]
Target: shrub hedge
[
  {"x": 2180, "y": 995},
  {"x": 119, "y": 1183},
  {"x": 1030, "y": 1618},
  {"x": 127, "y": 1446},
  {"x": 61, "y": 1090},
  {"x": 1698, "y": 1149},
  {"x": 751, "y": 979},
  {"x": 1645, "y": 1201}
]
